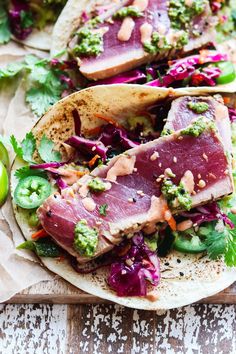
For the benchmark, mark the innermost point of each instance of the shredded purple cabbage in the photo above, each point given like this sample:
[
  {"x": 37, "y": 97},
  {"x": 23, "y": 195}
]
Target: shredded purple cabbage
[
  {"x": 88, "y": 146},
  {"x": 61, "y": 183},
  {"x": 185, "y": 68},
  {"x": 207, "y": 213},
  {"x": 130, "y": 273},
  {"x": 113, "y": 136},
  {"x": 127, "y": 77},
  {"x": 15, "y": 18},
  {"x": 47, "y": 165},
  {"x": 232, "y": 114}
]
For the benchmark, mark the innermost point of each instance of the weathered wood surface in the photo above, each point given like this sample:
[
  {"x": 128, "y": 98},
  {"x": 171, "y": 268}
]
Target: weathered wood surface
[
  {"x": 70, "y": 329},
  {"x": 61, "y": 292}
]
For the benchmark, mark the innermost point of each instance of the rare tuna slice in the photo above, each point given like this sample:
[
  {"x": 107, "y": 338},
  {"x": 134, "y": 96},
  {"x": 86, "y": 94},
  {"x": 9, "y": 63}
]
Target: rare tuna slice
[
  {"x": 139, "y": 32},
  {"x": 184, "y": 110},
  {"x": 136, "y": 187},
  {"x": 140, "y": 186}
]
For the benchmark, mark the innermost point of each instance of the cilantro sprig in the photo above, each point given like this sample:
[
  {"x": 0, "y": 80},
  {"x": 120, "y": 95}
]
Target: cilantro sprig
[
  {"x": 44, "y": 81},
  {"x": 5, "y": 33},
  {"x": 26, "y": 149},
  {"x": 222, "y": 243}
]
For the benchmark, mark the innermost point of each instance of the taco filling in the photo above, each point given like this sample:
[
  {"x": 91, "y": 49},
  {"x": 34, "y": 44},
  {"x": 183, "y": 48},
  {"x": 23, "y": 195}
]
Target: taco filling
[
  {"x": 128, "y": 192},
  {"x": 20, "y": 18}
]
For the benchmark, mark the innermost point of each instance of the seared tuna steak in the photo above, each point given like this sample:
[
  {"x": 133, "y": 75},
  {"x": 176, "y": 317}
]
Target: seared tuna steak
[
  {"x": 122, "y": 42},
  {"x": 133, "y": 189},
  {"x": 185, "y": 110}
]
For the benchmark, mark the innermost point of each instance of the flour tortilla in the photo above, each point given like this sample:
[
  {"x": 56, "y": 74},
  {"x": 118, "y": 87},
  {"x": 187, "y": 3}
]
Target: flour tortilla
[
  {"x": 70, "y": 20},
  {"x": 39, "y": 39},
  {"x": 202, "y": 277}
]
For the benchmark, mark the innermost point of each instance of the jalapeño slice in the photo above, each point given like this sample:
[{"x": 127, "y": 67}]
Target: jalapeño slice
[
  {"x": 31, "y": 192},
  {"x": 189, "y": 244},
  {"x": 227, "y": 72}
]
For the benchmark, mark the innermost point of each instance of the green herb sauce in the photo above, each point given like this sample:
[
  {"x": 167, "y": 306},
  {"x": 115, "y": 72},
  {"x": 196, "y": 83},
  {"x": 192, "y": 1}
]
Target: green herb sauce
[
  {"x": 131, "y": 11},
  {"x": 166, "y": 132},
  {"x": 197, "y": 127},
  {"x": 86, "y": 239},
  {"x": 198, "y": 107},
  {"x": 176, "y": 195},
  {"x": 89, "y": 43},
  {"x": 181, "y": 15},
  {"x": 96, "y": 185}
]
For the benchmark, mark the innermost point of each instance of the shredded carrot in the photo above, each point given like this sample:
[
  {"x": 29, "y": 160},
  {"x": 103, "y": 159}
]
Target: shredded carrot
[
  {"x": 94, "y": 131},
  {"x": 170, "y": 219},
  {"x": 39, "y": 234},
  {"x": 109, "y": 120},
  {"x": 172, "y": 223},
  {"x": 226, "y": 100},
  {"x": 93, "y": 160}
]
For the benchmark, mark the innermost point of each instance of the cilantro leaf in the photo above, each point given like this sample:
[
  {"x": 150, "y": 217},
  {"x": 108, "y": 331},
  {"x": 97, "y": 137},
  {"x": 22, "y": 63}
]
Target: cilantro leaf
[
  {"x": 5, "y": 33},
  {"x": 223, "y": 243},
  {"x": 216, "y": 244},
  {"x": 26, "y": 19},
  {"x": 28, "y": 147},
  {"x": 16, "y": 147},
  {"x": 46, "y": 151},
  {"x": 103, "y": 209},
  {"x": 11, "y": 70},
  {"x": 40, "y": 98},
  {"x": 26, "y": 171}
]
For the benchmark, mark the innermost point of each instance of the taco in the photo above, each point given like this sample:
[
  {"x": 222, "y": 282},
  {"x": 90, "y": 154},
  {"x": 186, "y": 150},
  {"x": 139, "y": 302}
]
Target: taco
[
  {"x": 30, "y": 21},
  {"x": 131, "y": 200},
  {"x": 164, "y": 44}
]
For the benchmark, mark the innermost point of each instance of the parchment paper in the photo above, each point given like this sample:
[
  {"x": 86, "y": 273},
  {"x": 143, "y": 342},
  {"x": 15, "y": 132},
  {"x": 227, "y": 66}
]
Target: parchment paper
[{"x": 18, "y": 269}]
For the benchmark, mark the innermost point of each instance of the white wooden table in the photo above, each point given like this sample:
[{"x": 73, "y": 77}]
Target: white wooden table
[{"x": 43, "y": 329}]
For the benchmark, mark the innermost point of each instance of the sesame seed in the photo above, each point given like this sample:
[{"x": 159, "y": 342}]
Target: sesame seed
[
  {"x": 160, "y": 164},
  {"x": 129, "y": 262},
  {"x": 154, "y": 156},
  {"x": 130, "y": 200},
  {"x": 199, "y": 176},
  {"x": 93, "y": 148},
  {"x": 205, "y": 157},
  {"x": 139, "y": 192},
  {"x": 174, "y": 159},
  {"x": 201, "y": 183},
  {"x": 226, "y": 172},
  {"x": 178, "y": 260},
  {"x": 135, "y": 169},
  {"x": 181, "y": 274},
  {"x": 180, "y": 138}
]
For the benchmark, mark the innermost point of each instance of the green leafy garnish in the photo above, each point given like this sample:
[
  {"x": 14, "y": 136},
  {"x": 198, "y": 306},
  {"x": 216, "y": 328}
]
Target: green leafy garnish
[
  {"x": 26, "y": 171},
  {"x": 5, "y": 33},
  {"x": 103, "y": 209},
  {"x": 46, "y": 151},
  {"x": 223, "y": 243},
  {"x": 43, "y": 80},
  {"x": 26, "y": 19},
  {"x": 26, "y": 149},
  {"x": 43, "y": 248}
]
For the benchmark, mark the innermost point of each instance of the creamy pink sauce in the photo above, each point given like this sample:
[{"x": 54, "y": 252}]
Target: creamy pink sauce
[
  {"x": 184, "y": 225},
  {"x": 157, "y": 209},
  {"x": 89, "y": 204},
  {"x": 122, "y": 167},
  {"x": 146, "y": 32},
  {"x": 141, "y": 4},
  {"x": 126, "y": 29},
  {"x": 161, "y": 28},
  {"x": 188, "y": 181}
]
